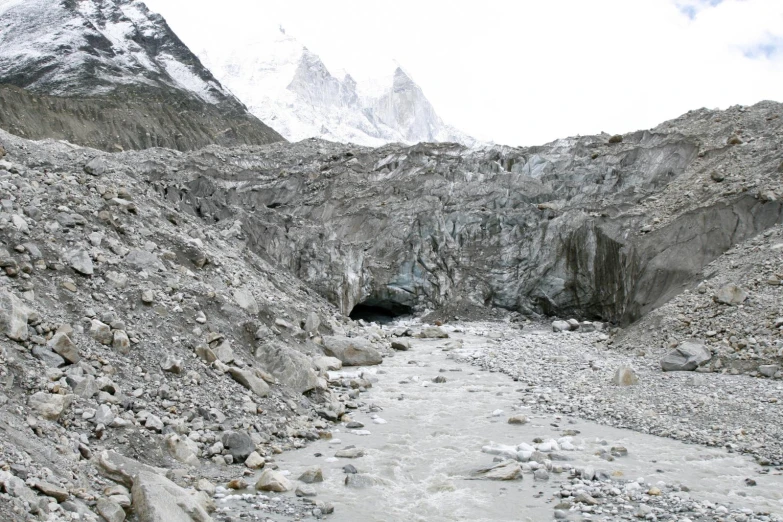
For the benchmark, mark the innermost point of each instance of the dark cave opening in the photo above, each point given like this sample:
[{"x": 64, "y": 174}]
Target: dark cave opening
[{"x": 383, "y": 312}]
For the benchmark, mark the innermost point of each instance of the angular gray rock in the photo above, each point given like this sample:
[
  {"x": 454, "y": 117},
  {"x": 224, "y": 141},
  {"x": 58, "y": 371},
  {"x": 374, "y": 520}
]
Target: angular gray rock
[
  {"x": 506, "y": 470},
  {"x": 312, "y": 323},
  {"x": 250, "y": 380},
  {"x": 101, "y": 332},
  {"x": 731, "y": 295},
  {"x": 80, "y": 261},
  {"x": 246, "y": 301},
  {"x": 157, "y": 499},
  {"x": 433, "y": 332},
  {"x": 290, "y": 367},
  {"x": 47, "y": 356},
  {"x": 402, "y": 345},
  {"x": 49, "y": 405},
  {"x": 686, "y": 357},
  {"x": 271, "y": 480},
  {"x": 110, "y": 510},
  {"x": 352, "y": 351},
  {"x": 64, "y": 347},
  {"x": 311, "y": 475},
  {"x": 239, "y": 444},
  {"x": 121, "y": 469},
  {"x": 13, "y": 316}
]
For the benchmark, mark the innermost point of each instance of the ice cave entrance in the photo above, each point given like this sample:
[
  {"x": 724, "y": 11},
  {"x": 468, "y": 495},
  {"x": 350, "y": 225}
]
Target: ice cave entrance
[{"x": 381, "y": 312}]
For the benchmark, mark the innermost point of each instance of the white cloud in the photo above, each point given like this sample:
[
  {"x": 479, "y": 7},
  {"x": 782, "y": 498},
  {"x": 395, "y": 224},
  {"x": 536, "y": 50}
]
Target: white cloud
[{"x": 526, "y": 72}]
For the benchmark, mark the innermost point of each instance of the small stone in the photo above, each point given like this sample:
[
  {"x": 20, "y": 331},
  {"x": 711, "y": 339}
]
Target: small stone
[
  {"x": 64, "y": 347},
  {"x": 625, "y": 376},
  {"x": 402, "y": 345},
  {"x": 731, "y": 295},
  {"x": 653, "y": 491},
  {"x": 171, "y": 364},
  {"x": 101, "y": 332},
  {"x": 687, "y": 356},
  {"x": 506, "y": 470},
  {"x": 271, "y": 480},
  {"x": 120, "y": 342},
  {"x": 255, "y": 461},
  {"x": 312, "y": 475},
  {"x": 80, "y": 261},
  {"x": 541, "y": 474},
  {"x": 206, "y": 486},
  {"x": 349, "y": 453},
  {"x": 96, "y": 167},
  {"x": 147, "y": 296},
  {"x": 584, "y": 498},
  {"x": 50, "y": 490},
  {"x": 518, "y": 419},
  {"x": 303, "y": 490},
  {"x": 239, "y": 444},
  {"x": 103, "y": 415},
  {"x": 153, "y": 423},
  {"x": 237, "y": 484}
]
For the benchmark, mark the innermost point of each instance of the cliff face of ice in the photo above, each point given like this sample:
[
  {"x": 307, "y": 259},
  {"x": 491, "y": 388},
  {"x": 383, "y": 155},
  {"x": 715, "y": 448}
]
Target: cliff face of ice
[{"x": 289, "y": 87}]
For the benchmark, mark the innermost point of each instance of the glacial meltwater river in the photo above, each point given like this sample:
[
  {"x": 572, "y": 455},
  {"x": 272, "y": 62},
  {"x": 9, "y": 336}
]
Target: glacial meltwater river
[{"x": 425, "y": 439}]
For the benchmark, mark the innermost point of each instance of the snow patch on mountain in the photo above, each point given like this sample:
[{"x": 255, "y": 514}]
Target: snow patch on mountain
[
  {"x": 90, "y": 47},
  {"x": 289, "y": 88}
]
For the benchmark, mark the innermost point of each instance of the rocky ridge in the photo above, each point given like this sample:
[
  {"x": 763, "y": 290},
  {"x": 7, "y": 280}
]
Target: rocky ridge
[{"x": 111, "y": 74}]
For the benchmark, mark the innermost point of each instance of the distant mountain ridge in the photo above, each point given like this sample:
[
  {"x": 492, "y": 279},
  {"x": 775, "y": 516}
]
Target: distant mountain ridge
[
  {"x": 290, "y": 88},
  {"x": 112, "y": 74}
]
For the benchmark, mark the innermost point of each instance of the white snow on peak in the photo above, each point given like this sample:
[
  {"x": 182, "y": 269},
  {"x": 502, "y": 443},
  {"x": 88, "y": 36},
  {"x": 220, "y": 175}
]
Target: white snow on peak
[
  {"x": 290, "y": 89},
  {"x": 89, "y": 47}
]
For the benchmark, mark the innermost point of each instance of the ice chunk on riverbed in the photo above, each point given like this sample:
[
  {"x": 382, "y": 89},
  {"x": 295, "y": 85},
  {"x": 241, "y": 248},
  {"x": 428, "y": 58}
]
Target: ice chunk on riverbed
[{"x": 501, "y": 450}]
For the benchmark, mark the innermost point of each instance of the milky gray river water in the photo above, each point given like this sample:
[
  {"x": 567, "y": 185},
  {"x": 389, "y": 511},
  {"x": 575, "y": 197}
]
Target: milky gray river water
[{"x": 426, "y": 439}]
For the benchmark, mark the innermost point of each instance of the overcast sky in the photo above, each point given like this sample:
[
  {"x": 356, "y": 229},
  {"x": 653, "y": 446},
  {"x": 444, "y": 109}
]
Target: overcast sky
[{"x": 526, "y": 72}]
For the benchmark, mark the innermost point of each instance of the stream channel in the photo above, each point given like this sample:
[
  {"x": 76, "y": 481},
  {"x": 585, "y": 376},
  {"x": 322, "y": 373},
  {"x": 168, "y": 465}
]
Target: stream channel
[{"x": 423, "y": 442}]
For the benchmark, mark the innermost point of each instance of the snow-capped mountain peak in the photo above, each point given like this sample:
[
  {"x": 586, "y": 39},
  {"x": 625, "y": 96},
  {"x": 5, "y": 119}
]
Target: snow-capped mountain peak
[{"x": 290, "y": 88}]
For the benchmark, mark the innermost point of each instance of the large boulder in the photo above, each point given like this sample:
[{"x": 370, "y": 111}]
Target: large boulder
[
  {"x": 182, "y": 449},
  {"x": 250, "y": 380},
  {"x": 686, "y": 357},
  {"x": 352, "y": 351},
  {"x": 121, "y": 469},
  {"x": 13, "y": 317},
  {"x": 246, "y": 301},
  {"x": 731, "y": 295},
  {"x": 291, "y": 368},
  {"x": 49, "y": 405},
  {"x": 239, "y": 444},
  {"x": 433, "y": 332},
  {"x": 157, "y": 499}
]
